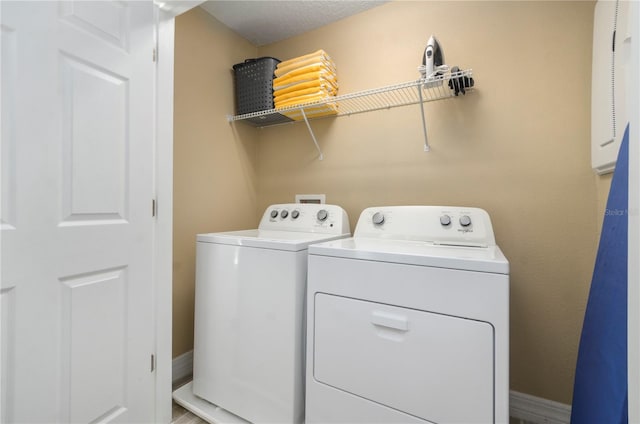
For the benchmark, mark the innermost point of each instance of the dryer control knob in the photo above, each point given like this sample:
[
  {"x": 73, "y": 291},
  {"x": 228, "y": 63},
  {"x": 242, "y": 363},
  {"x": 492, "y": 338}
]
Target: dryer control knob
[
  {"x": 322, "y": 215},
  {"x": 378, "y": 218},
  {"x": 274, "y": 213},
  {"x": 295, "y": 214},
  {"x": 445, "y": 220},
  {"x": 284, "y": 213},
  {"x": 465, "y": 221}
]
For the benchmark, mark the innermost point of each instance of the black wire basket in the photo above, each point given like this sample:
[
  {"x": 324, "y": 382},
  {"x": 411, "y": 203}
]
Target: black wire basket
[{"x": 253, "y": 81}]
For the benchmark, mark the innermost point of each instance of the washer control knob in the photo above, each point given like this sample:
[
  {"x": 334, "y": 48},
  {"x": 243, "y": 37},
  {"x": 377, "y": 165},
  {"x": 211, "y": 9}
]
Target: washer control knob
[
  {"x": 295, "y": 214},
  {"x": 322, "y": 215},
  {"x": 284, "y": 213},
  {"x": 445, "y": 220},
  {"x": 378, "y": 218},
  {"x": 465, "y": 221},
  {"x": 274, "y": 213}
]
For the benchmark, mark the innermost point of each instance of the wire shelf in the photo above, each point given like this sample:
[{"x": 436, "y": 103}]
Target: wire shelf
[{"x": 404, "y": 94}]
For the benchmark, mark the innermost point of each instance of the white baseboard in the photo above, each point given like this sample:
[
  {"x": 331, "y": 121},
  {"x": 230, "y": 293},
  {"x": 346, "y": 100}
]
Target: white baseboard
[
  {"x": 182, "y": 366},
  {"x": 534, "y": 410}
]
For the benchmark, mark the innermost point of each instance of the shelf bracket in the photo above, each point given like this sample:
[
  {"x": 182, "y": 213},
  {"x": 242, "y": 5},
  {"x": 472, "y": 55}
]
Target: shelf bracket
[
  {"x": 424, "y": 121},
  {"x": 313, "y": 137}
]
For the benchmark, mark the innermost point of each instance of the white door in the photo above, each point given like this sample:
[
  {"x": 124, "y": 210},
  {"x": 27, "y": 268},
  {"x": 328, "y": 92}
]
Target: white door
[{"x": 77, "y": 228}]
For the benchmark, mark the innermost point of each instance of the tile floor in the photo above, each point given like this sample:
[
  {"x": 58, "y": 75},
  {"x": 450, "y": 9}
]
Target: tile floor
[{"x": 179, "y": 415}]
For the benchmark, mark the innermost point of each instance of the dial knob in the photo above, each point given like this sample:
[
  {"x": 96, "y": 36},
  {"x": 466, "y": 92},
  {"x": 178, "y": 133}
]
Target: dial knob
[
  {"x": 378, "y": 218},
  {"x": 445, "y": 220},
  {"x": 465, "y": 221},
  {"x": 322, "y": 214},
  {"x": 274, "y": 213},
  {"x": 295, "y": 214},
  {"x": 284, "y": 213}
]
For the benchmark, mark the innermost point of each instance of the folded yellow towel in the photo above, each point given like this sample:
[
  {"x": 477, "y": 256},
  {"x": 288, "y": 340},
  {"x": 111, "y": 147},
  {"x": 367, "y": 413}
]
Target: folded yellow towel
[
  {"x": 313, "y": 90},
  {"x": 312, "y": 112},
  {"x": 284, "y": 82},
  {"x": 317, "y": 83},
  {"x": 310, "y": 67},
  {"x": 307, "y": 98},
  {"x": 320, "y": 53},
  {"x": 314, "y": 61},
  {"x": 311, "y": 82}
]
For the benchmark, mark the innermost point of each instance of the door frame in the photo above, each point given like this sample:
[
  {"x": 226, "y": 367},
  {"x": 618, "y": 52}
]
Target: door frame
[{"x": 166, "y": 12}]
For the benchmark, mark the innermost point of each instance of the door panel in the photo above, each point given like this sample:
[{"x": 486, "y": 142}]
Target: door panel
[
  {"x": 7, "y": 356},
  {"x": 95, "y": 304},
  {"x": 77, "y": 231},
  {"x": 9, "y": 80},
  {"x": 95, "y": 173},
  {"x": 104, "y": 20}
]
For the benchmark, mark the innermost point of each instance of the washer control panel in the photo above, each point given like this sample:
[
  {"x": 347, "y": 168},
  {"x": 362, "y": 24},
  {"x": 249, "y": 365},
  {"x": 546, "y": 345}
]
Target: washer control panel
[
  {"x": 306, "y": 217},
  {"x": 446, "y": 225}
]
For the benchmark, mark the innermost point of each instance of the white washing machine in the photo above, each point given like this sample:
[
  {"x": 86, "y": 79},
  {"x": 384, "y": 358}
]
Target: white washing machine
[
  {"x": 408, "y": 320},
  {"x": 248, "y": 357}
]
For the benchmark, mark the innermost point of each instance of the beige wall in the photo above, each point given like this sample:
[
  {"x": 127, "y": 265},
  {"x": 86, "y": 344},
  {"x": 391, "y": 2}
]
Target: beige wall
[
  {"x": 517, "y": 146},
  {"x": 214, "y": 167}
]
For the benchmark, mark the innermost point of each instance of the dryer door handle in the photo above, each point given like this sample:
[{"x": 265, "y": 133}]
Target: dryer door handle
[{"x": 394, "y": 321}]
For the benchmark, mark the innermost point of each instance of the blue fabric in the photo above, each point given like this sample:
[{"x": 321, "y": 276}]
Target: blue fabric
[{"x": 600, "y": 389}]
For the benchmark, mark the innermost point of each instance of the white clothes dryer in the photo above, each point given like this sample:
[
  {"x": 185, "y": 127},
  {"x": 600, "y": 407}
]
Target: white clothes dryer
[
  {"x": 408, "y": 320},
  {"x": 248, "y": 359}
]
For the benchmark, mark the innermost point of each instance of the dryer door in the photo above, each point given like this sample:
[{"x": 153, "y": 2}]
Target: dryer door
[{"x": 435, "y": 367}]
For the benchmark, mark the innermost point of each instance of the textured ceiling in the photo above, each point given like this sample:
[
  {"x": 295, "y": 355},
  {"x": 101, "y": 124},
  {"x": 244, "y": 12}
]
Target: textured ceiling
[{"x": 267, "y": 21}]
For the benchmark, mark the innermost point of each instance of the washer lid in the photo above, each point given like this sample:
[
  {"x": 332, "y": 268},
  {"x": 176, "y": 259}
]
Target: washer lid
[
  {"x": 482, "y": 259},
  {"x": 268, "y": 239}
]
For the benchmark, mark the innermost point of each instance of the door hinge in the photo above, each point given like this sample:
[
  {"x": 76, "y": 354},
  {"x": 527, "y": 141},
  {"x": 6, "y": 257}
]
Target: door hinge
[
  {"x": 155, "y": 55},
  {"x": 154, "y": 207},
  {"x": 153, "y": 362}
]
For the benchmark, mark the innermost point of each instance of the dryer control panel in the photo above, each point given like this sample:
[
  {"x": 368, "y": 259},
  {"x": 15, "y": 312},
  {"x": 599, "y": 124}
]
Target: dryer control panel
[
  {"x": 306, "y": 217},
  {"x": 446, "y": 225}
]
